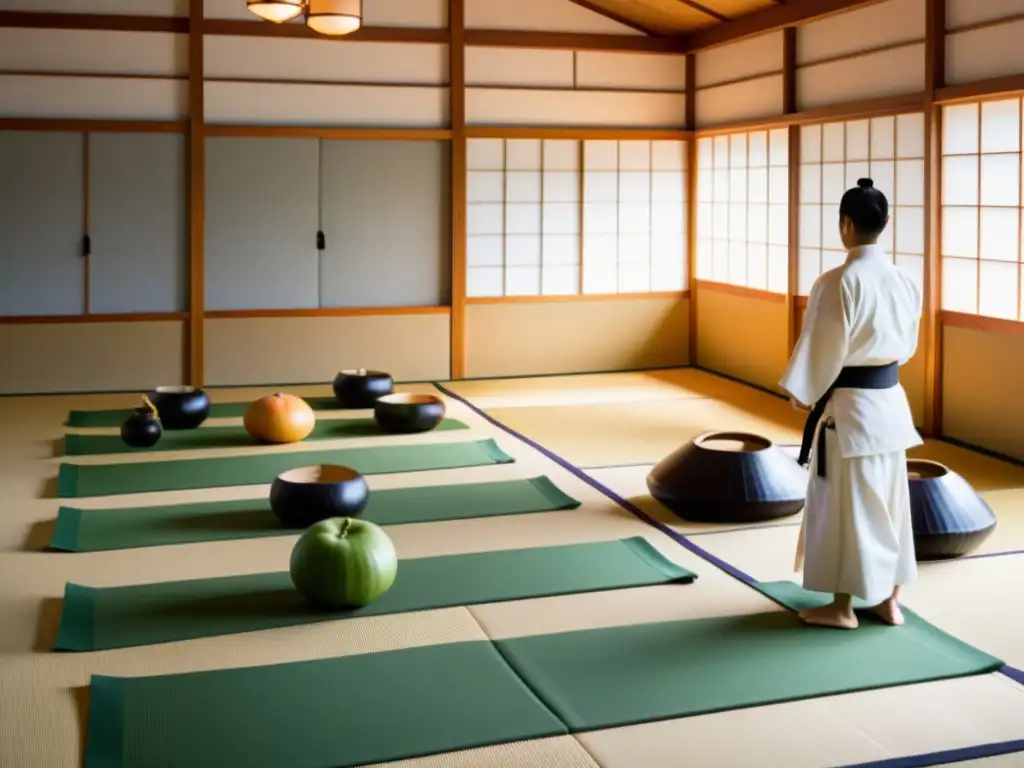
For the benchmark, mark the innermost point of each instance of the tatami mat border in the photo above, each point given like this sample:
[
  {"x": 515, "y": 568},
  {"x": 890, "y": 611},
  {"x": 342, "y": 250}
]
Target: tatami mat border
[
  {"x": 948, "y": 756},
  {"x": 1010, "y": 672}
]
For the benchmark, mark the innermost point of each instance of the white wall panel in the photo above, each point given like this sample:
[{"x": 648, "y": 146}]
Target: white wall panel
[
  {"x": 979, "y": 54},
  {"x": 889, "y": 23},
  {"x": 745, "y": 100},
  {"x": 630, "y": 71},
  {"x": 94, "y": 51},
  {"x": 290, "y": 104},
  {"x": 486, "y": 106},
  {"x": 376, "y": 13},
  {"x": 540, "y": 15},
  {"x": 116, "y": 7},
  {"x": 757, "y": 56},
  {"x": 93, "y": 98},
  {"x": 519, "y": 67},
  {"x": 303, "y": 60},
  {"x": 962, "y": 13},
  {"x": 894, "y": 72}
]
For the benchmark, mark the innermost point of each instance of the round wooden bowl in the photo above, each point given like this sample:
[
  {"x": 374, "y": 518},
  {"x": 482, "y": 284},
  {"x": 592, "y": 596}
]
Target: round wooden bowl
[
  {"x": 950, "y": 519},
  {"x": 180, "y": 407},
  {"x": 729, "y": 477},
  {"x": 405, "y": 413},
  {"x": 304, "y": 496},
  {"x": 360, "y": 388}
]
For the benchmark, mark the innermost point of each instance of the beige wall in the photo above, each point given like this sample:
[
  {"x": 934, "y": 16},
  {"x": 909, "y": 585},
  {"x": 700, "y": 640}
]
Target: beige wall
[
  {"x": 301, "y": 350},
  {"x": 90, "y": 357},
  {"x": 743, "y": 336},
  {"x": 983, "y": 389},
  {"x": 535, "y": 338}
]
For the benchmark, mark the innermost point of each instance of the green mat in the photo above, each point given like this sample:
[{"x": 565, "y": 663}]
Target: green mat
[
  {"x": 621, "y": 676},
  {"x": 78, "y": 480},
  {"x": 99, "y": 619},
  {"x": 334, "y": 713},
  {"x": 114, "y": 417},
  {"x": 228, "y": 437},
  {"x": 401, "y": 704},
  {"x": 94, "y": 530}
]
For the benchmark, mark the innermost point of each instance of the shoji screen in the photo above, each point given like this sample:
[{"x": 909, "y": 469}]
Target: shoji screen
[
  {"x": 981, "y": 209},
  {"x": 634, "y": 216},
  {"x": 523, "y": 217},
  {"x": 743, "y": 210},
  {"x": 890, "y": 151}
]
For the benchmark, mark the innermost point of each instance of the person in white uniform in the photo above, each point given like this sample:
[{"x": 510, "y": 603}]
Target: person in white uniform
[{"x": 861, "y": 325}]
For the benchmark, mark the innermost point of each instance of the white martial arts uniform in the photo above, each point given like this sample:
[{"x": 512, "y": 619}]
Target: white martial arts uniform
[{"x": 856, "y": 537}]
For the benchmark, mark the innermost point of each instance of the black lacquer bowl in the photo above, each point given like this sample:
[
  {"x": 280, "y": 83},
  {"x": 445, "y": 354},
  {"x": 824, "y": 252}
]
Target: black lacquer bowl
[
  {"x": 406, "y": 413},
  {"x": 360, "y": 388},
  {"x": 950, "y": 519},
  {"x": 304, "y": 496},
  {"x": 729, "y": 477},
  {"x": 180, "y": 407}
]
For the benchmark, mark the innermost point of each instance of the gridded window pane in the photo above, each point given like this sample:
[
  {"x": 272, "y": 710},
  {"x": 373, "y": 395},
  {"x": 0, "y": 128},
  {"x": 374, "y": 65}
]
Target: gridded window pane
[
  {"x": 634, "y": 213},
  {"x": 981, "y": 208},
  {"x": 523, "y": 215},
  {"x": 997, "y": 289},
  {"x": 749, "y": 187},
  {"x": 888, "y": 150},
  {"x": 960, "y": 284}
]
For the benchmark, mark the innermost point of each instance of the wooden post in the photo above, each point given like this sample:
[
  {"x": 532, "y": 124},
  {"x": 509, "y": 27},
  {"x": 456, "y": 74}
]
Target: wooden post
[
  {"x": 931, "y": 326},
  {"x": 196, "y": 194},
  {"x": 457, "y": 107},
  {"x": 789, "y": 105},
  {"x": 691, "y": 202}
]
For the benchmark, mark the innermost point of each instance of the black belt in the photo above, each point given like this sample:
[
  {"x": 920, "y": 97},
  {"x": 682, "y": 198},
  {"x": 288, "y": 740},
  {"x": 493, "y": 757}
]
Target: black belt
[{"x": 857, "y": 377}]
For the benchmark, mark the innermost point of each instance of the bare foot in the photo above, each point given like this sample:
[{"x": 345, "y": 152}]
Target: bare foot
[
  {"x": 889, "y": 612},
  {"x": 831, "y": 615}
]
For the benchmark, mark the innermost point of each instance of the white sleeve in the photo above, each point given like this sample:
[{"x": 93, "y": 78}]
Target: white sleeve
[
  {"x": 915, "y": 328},
  {"x": 820, "y": 352}
]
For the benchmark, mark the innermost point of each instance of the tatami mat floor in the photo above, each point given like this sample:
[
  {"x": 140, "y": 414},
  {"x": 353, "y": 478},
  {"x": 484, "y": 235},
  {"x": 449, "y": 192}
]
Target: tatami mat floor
[{"x": 613, "y": 425}]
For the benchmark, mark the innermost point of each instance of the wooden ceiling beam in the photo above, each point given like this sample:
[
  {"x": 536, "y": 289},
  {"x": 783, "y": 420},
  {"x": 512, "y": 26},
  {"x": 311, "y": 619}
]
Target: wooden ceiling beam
[
  {"x": 791, "y": 14},
  {"x": 503, "y": 38}
]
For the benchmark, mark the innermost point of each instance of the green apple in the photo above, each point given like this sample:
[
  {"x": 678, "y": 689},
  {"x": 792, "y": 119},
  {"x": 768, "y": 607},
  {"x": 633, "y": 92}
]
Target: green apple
[{"x": 342, "y": 562}]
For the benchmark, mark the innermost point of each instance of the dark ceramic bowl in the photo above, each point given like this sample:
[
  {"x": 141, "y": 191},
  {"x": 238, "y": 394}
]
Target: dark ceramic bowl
[
  {"x": 729, "y": 477},
  {"x": 180, "y": 407},
  {"x": 405, "y": 413},
  {"x": 304, "y": 496},
  {"x": 142, "y": 429},
  {"x": 950, "y": 519},
  {"x": 360, "y": 388}
]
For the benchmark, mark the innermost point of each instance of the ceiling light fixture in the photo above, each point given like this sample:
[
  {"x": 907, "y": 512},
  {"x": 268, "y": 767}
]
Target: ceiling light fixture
[
  {"x": 332, "y": 18},
  {"x": 276, "y": 11}
]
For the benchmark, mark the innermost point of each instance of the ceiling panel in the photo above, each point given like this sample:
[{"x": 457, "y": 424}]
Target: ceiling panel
[
  {"x": 732, "y": 9},
  {"x": 667, "y": 17},
  {"x": 664, "y": 17}
]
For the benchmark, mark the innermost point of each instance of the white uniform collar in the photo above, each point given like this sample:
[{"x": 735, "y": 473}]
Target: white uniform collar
[{"x": 865, "y": 251}]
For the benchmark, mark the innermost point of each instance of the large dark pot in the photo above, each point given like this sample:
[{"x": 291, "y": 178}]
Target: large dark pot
[
  {"x": 142, "y": 429},
  {"x": 360, "y": 388},
  {"x": 950, "y": 519},
  {"x": 304, "y": 496},
  {"x": 405, "y": 414},
  {"x": 181, "y": 407},
  {"x": 729, "y": 477}
]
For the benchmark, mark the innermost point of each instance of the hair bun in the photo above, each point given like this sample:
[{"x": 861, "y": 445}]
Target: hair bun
[{"x": 865, "y": 183}]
